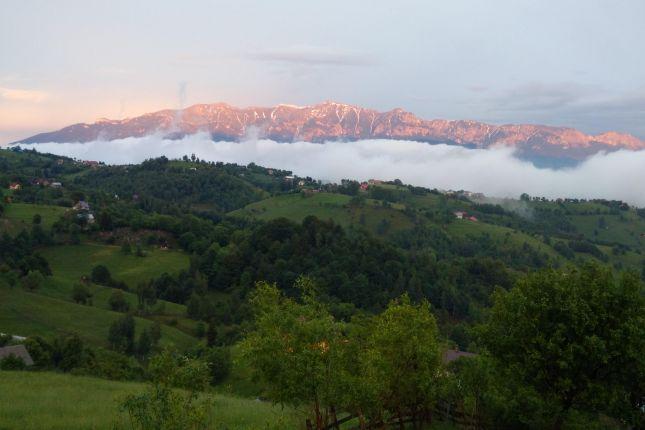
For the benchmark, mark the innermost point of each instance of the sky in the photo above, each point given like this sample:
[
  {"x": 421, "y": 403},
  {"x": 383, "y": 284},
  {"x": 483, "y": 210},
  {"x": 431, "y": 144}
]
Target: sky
[{"x": 557, "y": 62}]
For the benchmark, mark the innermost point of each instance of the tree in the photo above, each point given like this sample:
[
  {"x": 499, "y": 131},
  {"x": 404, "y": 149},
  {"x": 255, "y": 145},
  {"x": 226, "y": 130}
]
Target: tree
[
  {"x": 121, "y": 334},
  {"x": 219, "y": 363},
  {"x": 161, "y": 407},
  {"x": 32, "y": 280},
  {"x": 81, "y": 294},
  {"x": 144, "y": 344},
  {"x": 576, "y": 338},
  {"x": 211, "y": 334},
  {"x": 146, "y": 295},
  {"x": 403, "y": 358},
  {"x": 292, "y": 348},
  {"x": 118, "y": 302},
  {"x": 37, "y": 219},
  {"x": 12, "y": 362},
  {"x": 101, "y": 275},
  {"x": 68, "y": 352},
  {"x": 155, "y": 333},
  {"x": 105, "y": 220}
]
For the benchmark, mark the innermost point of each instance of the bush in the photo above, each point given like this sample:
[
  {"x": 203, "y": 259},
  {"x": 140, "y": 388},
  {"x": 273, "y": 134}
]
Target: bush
[
  {"x": 32, "y": 281},
  {"x": 12, "y": 363},
  {"x": 81, "y": 294},
  {"x": 101, "y": 275},
  {"x": 118, "y": 302},
  {"x": 161, "y": 407}
]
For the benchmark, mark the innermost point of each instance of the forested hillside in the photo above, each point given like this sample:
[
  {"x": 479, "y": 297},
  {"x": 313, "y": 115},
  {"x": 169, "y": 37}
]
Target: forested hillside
[{"x": 340, "y": 300}]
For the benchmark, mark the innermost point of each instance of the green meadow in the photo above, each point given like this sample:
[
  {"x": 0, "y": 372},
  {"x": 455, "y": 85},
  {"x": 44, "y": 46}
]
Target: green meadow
[
  {"x": 70, "y": 262},
  {"x": 19, "y": 216},
  {"x": 68, "y": 402},
  {"x": 325, "y": 206},
  {"x": 28, "y": 314}
]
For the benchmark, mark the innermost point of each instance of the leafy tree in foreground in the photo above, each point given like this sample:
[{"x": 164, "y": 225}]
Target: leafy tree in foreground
[
  {"x": 403, "y": 358},
  {"x": 291, "y": 348},
  {"x": 577, "y": 339}
]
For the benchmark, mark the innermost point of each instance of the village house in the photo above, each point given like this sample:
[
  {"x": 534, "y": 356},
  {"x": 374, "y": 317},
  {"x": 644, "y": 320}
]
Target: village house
[
  {"x": 91, "y": 163},
  {"x": 459, "y": 214},
  {"x": 473, "y": 218},
  {"x": 82, "y": 205},
  {"x": 18, "y": 351},
  {"x": 14, "y": 186},
  {"x": 364, "y": 186},
  {"x": 374, "y": 182},
  {"x": 451, "y": 355},
  {"x": 41, "y": 182},
  {"x": 56, "y": 185}
]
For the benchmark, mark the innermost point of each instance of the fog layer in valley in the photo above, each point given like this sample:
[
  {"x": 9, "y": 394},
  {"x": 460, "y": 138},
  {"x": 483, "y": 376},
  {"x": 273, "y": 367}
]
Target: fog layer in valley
[{"x": 495, "y": 172}]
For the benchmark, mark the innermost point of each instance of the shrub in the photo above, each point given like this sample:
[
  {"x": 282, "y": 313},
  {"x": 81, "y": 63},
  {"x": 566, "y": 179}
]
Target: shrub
[
  {"x": 101, "y": 275},
  {"x": 118, "y": 302},
  {"x": 12, "y": 363}
]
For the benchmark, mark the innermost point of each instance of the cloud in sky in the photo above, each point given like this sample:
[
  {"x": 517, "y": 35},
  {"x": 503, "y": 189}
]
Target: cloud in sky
[
  {"x": 312, "y": 56},
  {"x": 20, "y": 95},
  {"x": 495, "y": 172}
]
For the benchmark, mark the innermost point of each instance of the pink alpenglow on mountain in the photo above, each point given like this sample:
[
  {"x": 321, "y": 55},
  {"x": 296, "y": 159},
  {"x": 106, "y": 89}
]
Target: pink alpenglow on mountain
[{"x": 335, "y": 121}]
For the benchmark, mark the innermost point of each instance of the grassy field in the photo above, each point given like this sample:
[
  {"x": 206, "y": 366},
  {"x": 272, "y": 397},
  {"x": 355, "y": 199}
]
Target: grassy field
[
  {"x": 327, "y": 206},
  {"x": 26, "y": 314},
  {"x": 70, "y": 262},
  {"x": 18, "y": 216},
  {"x": 461, "y": 228},
  {"x": 37, "y": 400}
]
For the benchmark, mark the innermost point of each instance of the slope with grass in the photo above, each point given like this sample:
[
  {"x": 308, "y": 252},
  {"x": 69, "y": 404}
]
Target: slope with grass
[
  {"x": 29, "y": 314},
  {"x": 70, "y": 262},
  {"x": 338, "y": 207},
  {"x": 19, "y": 216},
  {"x": 36, "y": 400}
]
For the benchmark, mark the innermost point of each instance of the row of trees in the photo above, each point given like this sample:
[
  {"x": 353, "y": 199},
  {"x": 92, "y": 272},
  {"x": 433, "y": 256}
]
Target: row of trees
[{"x": 560, "y": 348}]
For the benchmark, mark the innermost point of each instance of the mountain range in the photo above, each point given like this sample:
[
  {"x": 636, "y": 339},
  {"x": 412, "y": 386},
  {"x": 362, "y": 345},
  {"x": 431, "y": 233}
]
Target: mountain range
[{"x": 336, "y": 121}]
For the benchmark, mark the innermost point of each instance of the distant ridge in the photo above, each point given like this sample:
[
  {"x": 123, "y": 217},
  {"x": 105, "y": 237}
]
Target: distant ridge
[{"x": 336, "y": 121}]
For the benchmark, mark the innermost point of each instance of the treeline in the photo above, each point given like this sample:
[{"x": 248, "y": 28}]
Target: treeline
[
  {"x": 160, "y": 185},
  {"x": 20, "y": 263},
  {"x": 561, "y": 349}
]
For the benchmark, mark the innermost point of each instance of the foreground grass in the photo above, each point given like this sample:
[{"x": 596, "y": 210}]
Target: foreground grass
[{"x": 37, "y": 400}]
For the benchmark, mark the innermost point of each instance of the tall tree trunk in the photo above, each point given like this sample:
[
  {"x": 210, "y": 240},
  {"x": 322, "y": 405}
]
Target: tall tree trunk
[
  {"x": 319, "y": 421},
  {"x": 361, "y": 421},
  {"x": 334, "y": 418}
]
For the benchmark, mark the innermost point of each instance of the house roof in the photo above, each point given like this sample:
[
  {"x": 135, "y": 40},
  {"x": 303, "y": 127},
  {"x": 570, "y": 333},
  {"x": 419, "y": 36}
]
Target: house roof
[
  {"x": 454, "y": 354},
  {"x": 19, "y": 351}
]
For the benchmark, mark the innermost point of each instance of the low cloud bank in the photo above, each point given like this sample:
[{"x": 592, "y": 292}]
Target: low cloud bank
[{"x": 495, "y": 172}]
